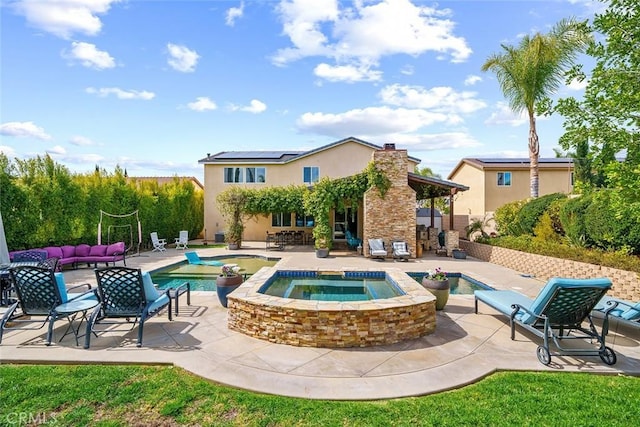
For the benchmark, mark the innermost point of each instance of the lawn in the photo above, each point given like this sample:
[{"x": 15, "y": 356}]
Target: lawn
[{"x": 166, "y": 396}]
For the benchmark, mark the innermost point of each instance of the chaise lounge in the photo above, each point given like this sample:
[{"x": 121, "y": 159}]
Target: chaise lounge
[
  {"x": 558, "y": 312},
  {"x": 623, "y": 311}
]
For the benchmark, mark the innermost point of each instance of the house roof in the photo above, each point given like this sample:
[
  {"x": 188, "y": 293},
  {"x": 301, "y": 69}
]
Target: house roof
[
  {"x": 512, "y": 163},
  {"x": 427, "y": 187},
  {"x": 265, "y": 157},
  {"x": 426, "y": 213}
]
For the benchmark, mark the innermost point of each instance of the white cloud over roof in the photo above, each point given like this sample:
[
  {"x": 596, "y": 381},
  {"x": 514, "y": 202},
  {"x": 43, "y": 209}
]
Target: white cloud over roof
[
  {"x": 181, "y": 58},
  {"x": 202, "y": 103},
  {"x": 89, "y": 56},
  {"x": 121, "y": 93}
]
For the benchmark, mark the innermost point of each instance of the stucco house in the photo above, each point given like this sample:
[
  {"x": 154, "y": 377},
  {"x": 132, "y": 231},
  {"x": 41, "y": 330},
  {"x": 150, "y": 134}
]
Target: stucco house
[
  {"x": 346, "y": 157},
  {"x": 494, "y": 182}
]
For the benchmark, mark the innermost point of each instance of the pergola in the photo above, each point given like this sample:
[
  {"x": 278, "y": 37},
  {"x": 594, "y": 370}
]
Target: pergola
[{"x": 429, "y": 187}]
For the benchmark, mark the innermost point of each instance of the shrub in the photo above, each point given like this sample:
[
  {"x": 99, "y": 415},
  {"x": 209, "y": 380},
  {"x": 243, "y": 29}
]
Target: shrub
[
  {"x": 613, "y": 223},
  {"x": 528, "y": 216},
  {"x": 544, "y": 229},
  {"x": 505, "y": 217},
  {"x": 572, "y": 215}
]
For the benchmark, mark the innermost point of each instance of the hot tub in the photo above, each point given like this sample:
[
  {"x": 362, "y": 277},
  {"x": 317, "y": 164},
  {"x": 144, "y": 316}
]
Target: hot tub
[{"x": 334, "y": 324}]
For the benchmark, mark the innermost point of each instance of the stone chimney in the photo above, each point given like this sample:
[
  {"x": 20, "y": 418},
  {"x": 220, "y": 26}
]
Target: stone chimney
[{"x": 394, "y": 216}]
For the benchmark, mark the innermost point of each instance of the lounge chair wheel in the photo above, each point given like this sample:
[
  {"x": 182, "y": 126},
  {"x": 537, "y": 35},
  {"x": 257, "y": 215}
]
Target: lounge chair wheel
[
  {"x": 544, "y": 356},
  {"x": 608, "y": 356}
]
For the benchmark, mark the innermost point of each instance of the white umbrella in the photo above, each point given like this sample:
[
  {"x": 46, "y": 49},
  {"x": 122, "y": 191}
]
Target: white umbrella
[{"x": 4, "y": 252}]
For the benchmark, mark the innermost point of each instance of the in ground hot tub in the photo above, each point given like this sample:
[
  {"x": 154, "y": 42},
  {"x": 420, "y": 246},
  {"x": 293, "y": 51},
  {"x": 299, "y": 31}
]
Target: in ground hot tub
[{"x": 341, "y": 321}]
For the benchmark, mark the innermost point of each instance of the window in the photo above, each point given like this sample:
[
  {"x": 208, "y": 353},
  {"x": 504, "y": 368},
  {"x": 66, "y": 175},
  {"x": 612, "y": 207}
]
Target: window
[
  {"x": 305, "y": 220},
  {"x": 310, "y": 174},
  {"x": 232, "y": 174},
  {"x": 255, "y": 175},
  {"x": 504, "y": 179},
  {"x": 281, "y": 220}
]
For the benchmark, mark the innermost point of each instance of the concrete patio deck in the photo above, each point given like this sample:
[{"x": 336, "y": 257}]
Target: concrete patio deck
[{"x": 465, "y": 347}]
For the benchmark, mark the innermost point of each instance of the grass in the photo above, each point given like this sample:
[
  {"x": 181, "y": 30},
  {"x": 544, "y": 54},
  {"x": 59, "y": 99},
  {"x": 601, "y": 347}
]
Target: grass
[{"x": 166, "y": 396}]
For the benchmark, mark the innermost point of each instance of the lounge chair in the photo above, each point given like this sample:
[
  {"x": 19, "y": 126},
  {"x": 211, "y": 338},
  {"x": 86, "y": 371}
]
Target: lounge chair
[
  {"x": 39, "y": 292},
  {"x": 557, "y": 312},
  {"x": 623, "y": 311},
  {"x": 194, "y": 258},
  {"x": 158, "y": 244},
  {"x": 400, "y": 250},
  {"x": 126, "y": 293},
  {"x": 352, "y": 241},
  {"x": 376, "y": 249},
  {"x": 182, "y": 240}
]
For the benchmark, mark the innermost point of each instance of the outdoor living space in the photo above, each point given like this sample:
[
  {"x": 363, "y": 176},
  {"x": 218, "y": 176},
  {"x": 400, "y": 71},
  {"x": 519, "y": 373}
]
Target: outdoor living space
[{"x": 464, "y": 348}]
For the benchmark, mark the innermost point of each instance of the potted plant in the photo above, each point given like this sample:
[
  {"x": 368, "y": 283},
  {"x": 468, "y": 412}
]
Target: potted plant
[
  {"x": 227, "y": 282},
  {"x": 437, "y": 282},
  {"x": 323, "y": 241},
  {"x": 232, "y": 204},
  {"x": 459, "y": 253}
]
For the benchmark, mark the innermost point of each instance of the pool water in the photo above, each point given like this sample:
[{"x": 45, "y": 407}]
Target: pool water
[
  {"x": 203, "y": 277},
  {"x": 330, "y": 287},
  {"x": 460, "y": 284}
]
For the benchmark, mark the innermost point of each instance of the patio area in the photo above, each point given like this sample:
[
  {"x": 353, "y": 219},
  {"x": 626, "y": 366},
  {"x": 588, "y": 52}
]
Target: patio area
[{"x": 464, "y": 348}]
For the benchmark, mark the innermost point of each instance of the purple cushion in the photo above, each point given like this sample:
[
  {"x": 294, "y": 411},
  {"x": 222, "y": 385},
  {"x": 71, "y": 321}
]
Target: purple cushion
[
  {"x": 68, "y": 251},
  {"x": 53, "y": 251},
  {"x": 97, "y": 250},
  {"x": 83, "y": 250},
  {"x": 115, "y": 248}
]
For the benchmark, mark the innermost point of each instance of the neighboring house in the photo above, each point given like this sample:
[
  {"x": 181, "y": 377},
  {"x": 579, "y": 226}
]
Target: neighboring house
[
  {"x": 494, "y": 182},
  {"x": 256, "y": 169}
]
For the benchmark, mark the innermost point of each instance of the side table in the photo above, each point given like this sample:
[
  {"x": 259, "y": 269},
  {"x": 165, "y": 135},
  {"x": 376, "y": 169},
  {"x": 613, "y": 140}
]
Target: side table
[{"x": 71, "y": 310}]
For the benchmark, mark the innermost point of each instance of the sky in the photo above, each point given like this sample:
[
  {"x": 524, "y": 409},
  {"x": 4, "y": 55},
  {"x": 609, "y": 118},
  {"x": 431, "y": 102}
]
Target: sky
[{"x": 153, "y": 86}]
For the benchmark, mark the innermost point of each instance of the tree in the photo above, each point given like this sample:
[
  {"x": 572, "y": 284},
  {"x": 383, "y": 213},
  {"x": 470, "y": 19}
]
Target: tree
[
  {"x": 608, "y": 115},
  {"x": 531, "y": 72}
]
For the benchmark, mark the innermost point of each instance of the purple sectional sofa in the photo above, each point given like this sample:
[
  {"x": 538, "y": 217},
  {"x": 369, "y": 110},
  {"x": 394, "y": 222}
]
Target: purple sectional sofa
[{"x": 80, "y": 254}]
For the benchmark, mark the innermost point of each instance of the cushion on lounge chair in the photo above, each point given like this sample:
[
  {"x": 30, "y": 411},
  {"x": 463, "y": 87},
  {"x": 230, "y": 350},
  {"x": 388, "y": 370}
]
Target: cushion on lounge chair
[
  {"x": 150, "y": 291},
  {"x": 624, "y": 309},
  {"x": 400, "y": 248},
  {"x": 376, "y": 247}
]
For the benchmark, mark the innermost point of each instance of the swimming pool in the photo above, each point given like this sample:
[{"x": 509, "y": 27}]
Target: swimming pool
[
  {"x": 317, "y": 286},
  {"x": 203, "y": 277},
  {"x": 460, "y": 284}
]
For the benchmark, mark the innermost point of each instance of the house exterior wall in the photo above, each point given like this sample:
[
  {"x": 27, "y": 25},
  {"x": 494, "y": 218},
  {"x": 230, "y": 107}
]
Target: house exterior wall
[
  {"x": 485, "y": 195},
  {"x": 392, "y": 217},
  {"x": 346, "y": 159}
]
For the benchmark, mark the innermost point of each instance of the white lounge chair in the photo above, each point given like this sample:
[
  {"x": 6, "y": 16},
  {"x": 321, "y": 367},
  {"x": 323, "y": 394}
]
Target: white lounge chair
[
  {"x": 376, "y": 249},
  {"x": 183, "y": 240},
  {"x": 158, "y": 244},
  {"x": 400, "y": 250}
]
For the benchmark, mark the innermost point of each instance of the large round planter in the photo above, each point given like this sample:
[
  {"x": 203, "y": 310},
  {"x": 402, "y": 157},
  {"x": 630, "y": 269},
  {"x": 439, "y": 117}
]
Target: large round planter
[
  {"x": 225, "y": 285},
  {"x": 459, "y": 254},
  {"x": 440, "y": 289},
  {"x": 322, "y": 253},
  {"x": 233, "y": 246}
]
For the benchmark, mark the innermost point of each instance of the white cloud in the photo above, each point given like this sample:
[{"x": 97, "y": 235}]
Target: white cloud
[
  {"x": 89, "y": 56},
  {"x": 81, "y": 141},
  {"x": 471, "y": 80},
  {"x": 63, "y": 18},
  {"x": 58, "y": 149},
  {"x": 369, "y": 121},
  {"x": 202, "y": 103},
  {"x": 254, "y": 107},
  {"x": 407, "y": 70},
  {"x": 8, "y": 151},
  {"x": 23, "y": 130},
  {"x": 503, "y": 115},
  {"x": 121, "y": 93},
  {"x": 363, "y": 32},
  {"x": 577, "y": 85},
  {"x": 441, "y": 99},
  {"x": 346, "y": 73},
  {"x": 181, "y": 58},
  {"x": 234, "y": 13}
]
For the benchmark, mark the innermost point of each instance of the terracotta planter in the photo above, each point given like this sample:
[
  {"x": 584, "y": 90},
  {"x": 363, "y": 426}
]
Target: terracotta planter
[
  {"x": 225, "y": 285},
  {"x": 440, "y": 289}
]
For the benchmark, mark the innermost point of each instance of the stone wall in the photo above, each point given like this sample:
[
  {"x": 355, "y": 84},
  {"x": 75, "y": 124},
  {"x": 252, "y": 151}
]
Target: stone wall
[
  {"x": 626, "y": 284},
  {"x": 392, "y": 217}
]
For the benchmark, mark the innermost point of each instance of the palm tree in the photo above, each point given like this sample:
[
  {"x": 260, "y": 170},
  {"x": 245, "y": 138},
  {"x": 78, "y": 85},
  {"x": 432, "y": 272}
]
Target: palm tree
[{"x": 532, "y": 71}]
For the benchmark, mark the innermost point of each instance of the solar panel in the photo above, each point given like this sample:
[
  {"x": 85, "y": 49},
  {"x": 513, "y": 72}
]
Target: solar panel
[{"x": 255, "y": 154}]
